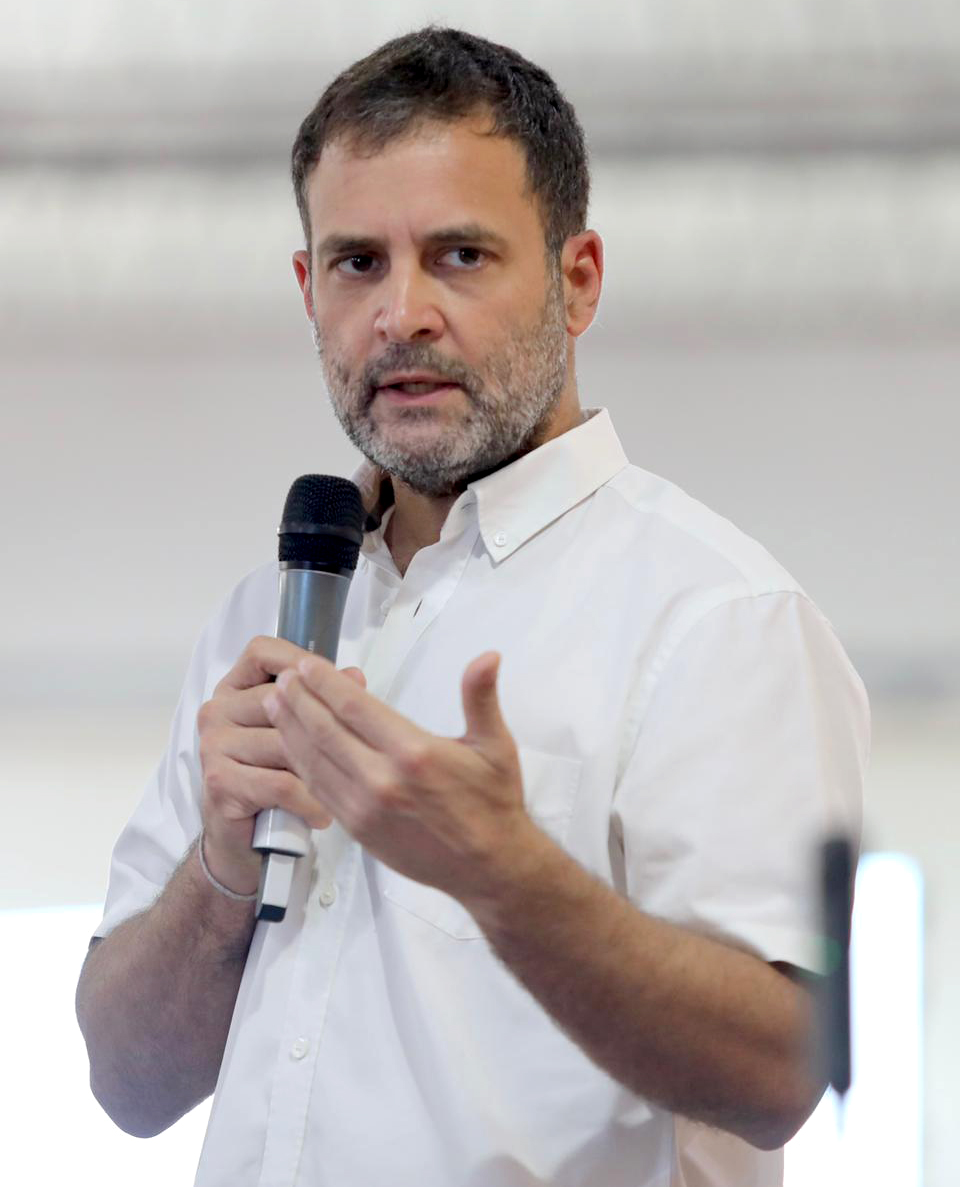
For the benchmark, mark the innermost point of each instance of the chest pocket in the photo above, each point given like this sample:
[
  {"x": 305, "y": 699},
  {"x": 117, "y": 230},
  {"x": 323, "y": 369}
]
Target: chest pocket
[{"x": 550, "y": 783}]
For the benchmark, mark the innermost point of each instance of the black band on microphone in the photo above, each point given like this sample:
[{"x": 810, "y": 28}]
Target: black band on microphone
[{"x": 320, "y": 529}]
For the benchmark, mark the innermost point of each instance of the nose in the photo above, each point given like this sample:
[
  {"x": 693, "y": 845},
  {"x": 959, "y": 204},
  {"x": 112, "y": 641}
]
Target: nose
[{"x": 409, "y": 311}]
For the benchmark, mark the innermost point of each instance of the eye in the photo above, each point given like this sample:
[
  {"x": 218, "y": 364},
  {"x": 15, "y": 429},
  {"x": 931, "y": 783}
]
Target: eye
[
  {"x": 465, "y": 258},
  {"x": 359, "y": 265}
]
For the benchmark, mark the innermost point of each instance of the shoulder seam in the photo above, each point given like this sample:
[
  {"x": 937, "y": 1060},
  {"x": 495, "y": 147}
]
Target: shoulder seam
[{"x": 711, "y": 545}]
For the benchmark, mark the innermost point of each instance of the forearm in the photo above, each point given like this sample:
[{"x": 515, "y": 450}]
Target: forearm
[
  {"x": 155, "y": 999},
  {"x": 697, "y": 1027}
]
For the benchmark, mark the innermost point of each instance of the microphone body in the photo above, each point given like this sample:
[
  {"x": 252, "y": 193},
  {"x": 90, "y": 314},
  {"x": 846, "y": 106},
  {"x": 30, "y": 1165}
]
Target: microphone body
[
  {"x": 319, "y": 543},
  {"x": 311, "y": 611}
]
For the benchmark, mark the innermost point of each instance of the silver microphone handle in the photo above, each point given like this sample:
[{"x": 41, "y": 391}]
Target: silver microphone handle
[{"x": 311, "y": 612}]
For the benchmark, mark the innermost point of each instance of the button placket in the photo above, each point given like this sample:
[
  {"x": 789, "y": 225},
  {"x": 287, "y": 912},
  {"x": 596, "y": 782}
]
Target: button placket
[
  {"x": 429, "y": 583},
  {"x": 310, "y": 988}
]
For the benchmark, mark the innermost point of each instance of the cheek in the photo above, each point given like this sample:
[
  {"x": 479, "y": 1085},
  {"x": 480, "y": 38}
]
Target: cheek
[
  {"x": 344, "y": 360},
  {"x": 332, "y": 341},
  {"x": 345, "y": 328}
]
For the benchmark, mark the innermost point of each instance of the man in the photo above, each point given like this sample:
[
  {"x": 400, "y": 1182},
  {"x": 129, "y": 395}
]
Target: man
[{"x": 556, "y": 930}]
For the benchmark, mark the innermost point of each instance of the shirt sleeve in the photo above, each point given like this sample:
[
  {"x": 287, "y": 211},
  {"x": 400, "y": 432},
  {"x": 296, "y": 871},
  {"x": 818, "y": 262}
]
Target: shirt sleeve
[
  {"x": 167, "y": 819},
  {"x": 752, "y": 750}
]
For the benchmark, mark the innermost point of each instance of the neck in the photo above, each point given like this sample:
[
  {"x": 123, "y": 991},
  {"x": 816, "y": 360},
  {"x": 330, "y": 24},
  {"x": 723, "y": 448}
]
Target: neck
[
  {"x": 416, "y": 522},
  {"x": 418, "y": 519}
]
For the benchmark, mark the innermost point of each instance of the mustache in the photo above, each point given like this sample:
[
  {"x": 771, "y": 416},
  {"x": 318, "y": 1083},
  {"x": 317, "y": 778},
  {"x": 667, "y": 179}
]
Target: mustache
[
  {"x": 417, "y": 358},
  {"x": 402, "y": 358}
]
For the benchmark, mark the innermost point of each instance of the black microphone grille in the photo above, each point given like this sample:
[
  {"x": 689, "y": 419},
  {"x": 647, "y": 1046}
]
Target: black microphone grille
[{"x": 322, "y": 522}]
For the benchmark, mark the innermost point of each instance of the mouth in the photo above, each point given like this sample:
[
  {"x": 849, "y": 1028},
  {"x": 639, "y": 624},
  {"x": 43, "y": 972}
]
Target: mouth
[{"x": 426, "y": 392}]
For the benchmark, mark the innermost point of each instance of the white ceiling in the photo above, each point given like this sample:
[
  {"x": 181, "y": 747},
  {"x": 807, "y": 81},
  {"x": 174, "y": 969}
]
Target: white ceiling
[
  {"x": 820, "y": 246},
  {"x": 759, "y": 164},
  {"x": 223, "y": 33},
  {"x": 99, "y": 80}
]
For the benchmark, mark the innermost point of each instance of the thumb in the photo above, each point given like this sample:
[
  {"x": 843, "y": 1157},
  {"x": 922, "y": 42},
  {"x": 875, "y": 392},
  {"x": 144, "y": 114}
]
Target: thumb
[{"x": 481, "y": 705}]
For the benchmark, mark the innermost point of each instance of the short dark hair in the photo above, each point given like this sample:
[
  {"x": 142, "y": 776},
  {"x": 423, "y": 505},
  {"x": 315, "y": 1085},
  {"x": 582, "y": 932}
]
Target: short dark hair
[{"x": 446, "y": 74}]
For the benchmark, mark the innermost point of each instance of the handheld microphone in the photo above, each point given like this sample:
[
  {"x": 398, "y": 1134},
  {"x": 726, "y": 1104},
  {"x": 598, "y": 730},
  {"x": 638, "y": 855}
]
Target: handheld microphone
[{"x": 320, "y": 537}]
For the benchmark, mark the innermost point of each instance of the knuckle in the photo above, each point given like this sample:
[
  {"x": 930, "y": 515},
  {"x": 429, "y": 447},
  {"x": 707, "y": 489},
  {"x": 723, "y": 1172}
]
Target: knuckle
[
  {"x": 256, "y": 650},
  {"x": 211, "y": 744},
  {"x": 414, "y": 759},
  {"x": 285, "y": 786},
  {"x": 206, "y": 716},
  {"x": 381, "y": 785},
  {"x": 214, "y": 782},
  {"x": 387, "y": 794},
  {"x": 350, "y": 711}
]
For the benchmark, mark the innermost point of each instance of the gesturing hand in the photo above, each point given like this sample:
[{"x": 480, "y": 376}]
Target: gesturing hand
[{"x": 439, "y": 810}]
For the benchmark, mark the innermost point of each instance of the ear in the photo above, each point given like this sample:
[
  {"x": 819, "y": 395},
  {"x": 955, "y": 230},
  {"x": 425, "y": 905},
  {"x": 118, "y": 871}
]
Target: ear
[
  {"x": 301, "y": 267},
  {"x": 581, "y": 263}
]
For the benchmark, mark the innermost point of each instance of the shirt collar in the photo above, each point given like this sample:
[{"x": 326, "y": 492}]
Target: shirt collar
[{"x": 519, "y": 500}]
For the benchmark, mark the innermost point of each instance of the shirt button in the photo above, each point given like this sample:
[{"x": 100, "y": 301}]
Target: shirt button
[
  {"x": 385, "y": 607},
  {"x": 500, "y": 539},
  {"x": 328, "y": 894},
  {"x": 299, "y": 1049}
]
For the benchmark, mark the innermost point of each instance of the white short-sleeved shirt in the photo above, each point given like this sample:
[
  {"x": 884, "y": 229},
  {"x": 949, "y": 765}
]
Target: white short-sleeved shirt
[{"x": 689, "y": 728}]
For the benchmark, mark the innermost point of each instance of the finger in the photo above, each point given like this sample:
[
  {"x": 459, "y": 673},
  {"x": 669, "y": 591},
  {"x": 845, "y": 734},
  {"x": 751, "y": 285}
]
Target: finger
[
  {"x": 309, "y": 758},
  {"x": 308, "y": 727},
  {"x": 481, "y": 703},
  {"x": 356, "y": 675},
  {"x": 238, "y": 791},
  {"x": 255, "y": 747},
  {"x": 382, "y": 728},
  {"x": 245, "y": 706},
  {"x": 263, "y": 657},
  {"x": 240, "y": 706}
]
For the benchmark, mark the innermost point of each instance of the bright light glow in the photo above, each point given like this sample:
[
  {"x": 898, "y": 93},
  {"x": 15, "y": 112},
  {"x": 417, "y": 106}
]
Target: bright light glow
[
  {"x": 57, "y": 1133},
  {"x": 886, "y": 971},
  {"x": 60, "y": 1134}
]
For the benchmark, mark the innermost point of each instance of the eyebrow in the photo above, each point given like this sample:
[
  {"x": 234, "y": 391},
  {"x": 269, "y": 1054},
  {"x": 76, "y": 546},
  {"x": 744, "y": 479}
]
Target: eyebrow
[{"x": 337, "y": 244}]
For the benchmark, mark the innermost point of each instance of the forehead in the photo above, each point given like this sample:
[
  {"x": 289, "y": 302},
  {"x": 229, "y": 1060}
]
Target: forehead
[{"x": 449, "y": 173}]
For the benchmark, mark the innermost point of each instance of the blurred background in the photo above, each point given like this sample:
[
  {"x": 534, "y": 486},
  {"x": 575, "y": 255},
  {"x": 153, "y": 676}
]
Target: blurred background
[{"x": 777, "y": 183}]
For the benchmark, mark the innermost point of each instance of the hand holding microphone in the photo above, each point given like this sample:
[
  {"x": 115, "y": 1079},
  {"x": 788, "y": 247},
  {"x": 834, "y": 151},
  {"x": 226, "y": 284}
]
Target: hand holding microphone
[
  {"x": 244, "y": 764},
  {"x": 250, "y": 796}
]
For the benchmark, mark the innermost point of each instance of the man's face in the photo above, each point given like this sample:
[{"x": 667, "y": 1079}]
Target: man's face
[{"x": 429, "y": 261}]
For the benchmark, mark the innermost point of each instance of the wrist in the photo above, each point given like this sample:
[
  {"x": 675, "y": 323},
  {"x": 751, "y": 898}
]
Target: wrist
[
  {"x": 235, "y": 876},
  {"x": 522, "y": 872}
]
